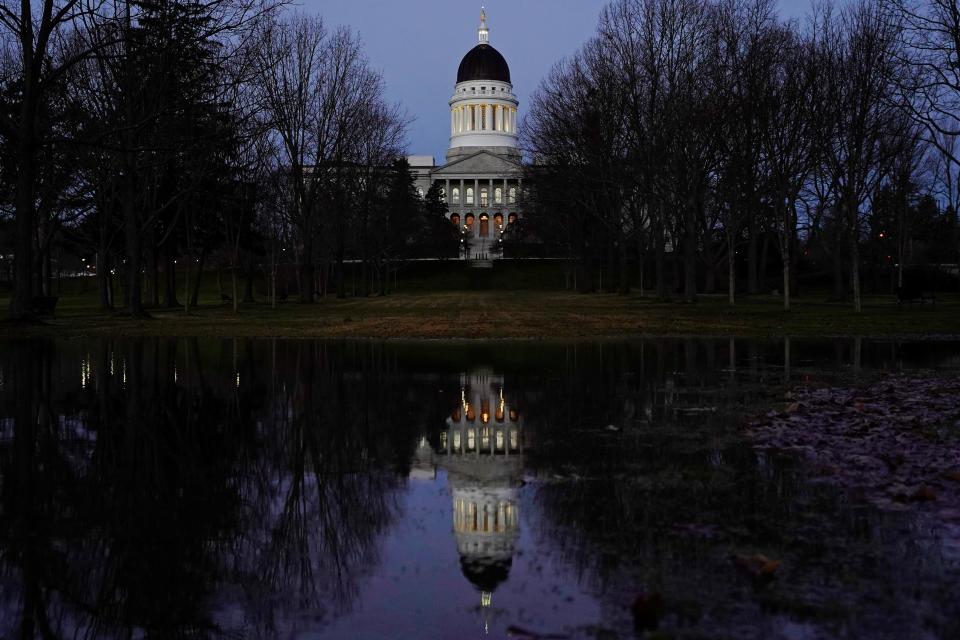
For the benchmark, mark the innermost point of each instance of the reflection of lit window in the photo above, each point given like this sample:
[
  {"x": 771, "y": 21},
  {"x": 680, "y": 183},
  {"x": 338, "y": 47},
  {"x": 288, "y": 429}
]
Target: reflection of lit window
[
  {"x": 443, "y": 440},
  {"x": 499, "y": 440},
  {"x": 485, "y": 438},
  {"x": 456, "y": 441},
  {"x": 471, "y": 439},
  {"x": 514, "y": 438}
]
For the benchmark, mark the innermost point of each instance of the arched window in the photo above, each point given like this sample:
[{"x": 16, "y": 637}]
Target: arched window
[
  {"x": 469, "y": 195},
  {"x": 484, "y": 227},
  {"x": 513, "y": 195},
  {"x": 456, "y": 195},
  {"x": 498, "y": 196},
  {"x": 484, "y": 197}
]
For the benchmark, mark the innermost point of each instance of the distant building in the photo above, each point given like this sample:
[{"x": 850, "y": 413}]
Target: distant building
[{"x": 482, "y": 180}]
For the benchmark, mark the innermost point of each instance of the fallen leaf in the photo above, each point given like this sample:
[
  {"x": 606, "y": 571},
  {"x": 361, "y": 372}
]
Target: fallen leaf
[
  {"x": 647, "y": 610},
  {"x": 759, "y": 566}
]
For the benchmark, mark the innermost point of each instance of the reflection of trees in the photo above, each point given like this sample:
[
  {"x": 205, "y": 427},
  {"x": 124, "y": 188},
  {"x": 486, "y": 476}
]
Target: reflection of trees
[
  {"x": 321, "y": 494},
  {"x": 164, "y": 485},
  {"x": 113, "y": 496}
]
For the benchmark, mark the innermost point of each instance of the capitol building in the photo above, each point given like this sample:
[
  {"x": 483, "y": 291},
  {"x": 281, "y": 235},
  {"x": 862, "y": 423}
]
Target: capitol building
[{"x": 482, "y": 179}]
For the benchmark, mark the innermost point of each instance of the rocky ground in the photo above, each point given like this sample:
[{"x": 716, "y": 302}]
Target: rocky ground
[{"x": 896, "y": 442}]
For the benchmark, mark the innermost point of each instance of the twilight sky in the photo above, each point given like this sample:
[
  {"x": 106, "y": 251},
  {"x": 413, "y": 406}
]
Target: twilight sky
[{"x": 418, "y": 44}]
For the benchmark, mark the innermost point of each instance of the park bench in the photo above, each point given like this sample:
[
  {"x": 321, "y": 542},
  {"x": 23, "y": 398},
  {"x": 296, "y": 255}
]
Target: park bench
[
  {"x": 914, "y": 294},
  {"x": 44, "y": 305}
]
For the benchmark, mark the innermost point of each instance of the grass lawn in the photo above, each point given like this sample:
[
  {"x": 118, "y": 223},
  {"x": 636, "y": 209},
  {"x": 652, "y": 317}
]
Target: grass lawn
[{"x": 506, "y": 314}]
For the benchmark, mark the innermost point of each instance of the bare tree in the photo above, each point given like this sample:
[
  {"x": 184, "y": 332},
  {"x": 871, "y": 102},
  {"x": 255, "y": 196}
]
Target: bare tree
[{"x": 861, "y": 47}]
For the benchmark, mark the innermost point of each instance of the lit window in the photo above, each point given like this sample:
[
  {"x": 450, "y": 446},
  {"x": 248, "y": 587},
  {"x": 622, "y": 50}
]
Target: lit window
[
  {"x": 456, "y": 195},
  {"x": 498, "y": 195},
  {"x": 484, "y": 197},
  {"x": 469, "y": 195},
  {"x": 513, "y": 195}
]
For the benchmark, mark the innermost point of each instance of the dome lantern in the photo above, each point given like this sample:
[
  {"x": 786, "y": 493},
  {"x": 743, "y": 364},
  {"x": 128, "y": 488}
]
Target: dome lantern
[{"x": 483, "y": 33}]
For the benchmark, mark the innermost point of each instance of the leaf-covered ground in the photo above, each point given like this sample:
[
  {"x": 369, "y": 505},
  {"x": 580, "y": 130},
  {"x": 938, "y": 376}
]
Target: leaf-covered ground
[{"x": 895, "y": 442}]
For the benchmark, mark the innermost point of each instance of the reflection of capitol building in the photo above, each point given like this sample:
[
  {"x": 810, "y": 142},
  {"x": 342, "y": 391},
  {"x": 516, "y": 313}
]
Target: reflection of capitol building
[{"x": 481, "y": 450}]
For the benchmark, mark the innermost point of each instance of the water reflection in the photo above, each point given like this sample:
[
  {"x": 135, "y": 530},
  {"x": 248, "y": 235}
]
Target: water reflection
[
  {"x": 272, "y": 488},
  {"x": 482, "y": 452}
]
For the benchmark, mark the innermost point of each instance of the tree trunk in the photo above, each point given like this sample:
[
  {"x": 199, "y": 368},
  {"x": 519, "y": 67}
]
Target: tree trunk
[
  {"x": 787, "y": 220},
  {"x": 306, "y": 274},
  {"x": 690, "y": 256},
  {"x": 660, "y": 251},
  {"x": 132, "y": 228},
  {"x": 752, "y": 287},
  {"x": 195, "y": 295},
  {"x": 248, "y": 287},
  {"x": 21, "y": 302},
  {"x": 731, "y": 264},
  {"x": 170, "y": 281}
]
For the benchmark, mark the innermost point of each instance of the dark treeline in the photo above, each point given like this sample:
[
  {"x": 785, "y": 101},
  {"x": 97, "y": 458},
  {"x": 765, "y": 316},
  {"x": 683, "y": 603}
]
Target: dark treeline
[
  {"x": 154, "y": 141},
  {"x": 693, "y": 142}
]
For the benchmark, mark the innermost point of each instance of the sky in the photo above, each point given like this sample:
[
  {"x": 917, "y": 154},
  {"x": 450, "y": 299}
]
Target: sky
[{"x": 417, "y": 46}]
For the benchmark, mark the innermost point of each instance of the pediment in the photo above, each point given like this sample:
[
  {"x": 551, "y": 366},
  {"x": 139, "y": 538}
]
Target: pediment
[{"x": 479, "y": 163}]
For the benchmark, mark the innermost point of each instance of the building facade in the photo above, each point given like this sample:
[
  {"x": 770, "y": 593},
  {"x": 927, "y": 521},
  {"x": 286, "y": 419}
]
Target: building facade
[{"x": 482, "y": 179}]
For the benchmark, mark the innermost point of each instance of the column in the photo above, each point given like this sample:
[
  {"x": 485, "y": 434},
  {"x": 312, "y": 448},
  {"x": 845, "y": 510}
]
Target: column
[
  {"x": 446, "y": 195},
  {"x": 476, "y": 215}
]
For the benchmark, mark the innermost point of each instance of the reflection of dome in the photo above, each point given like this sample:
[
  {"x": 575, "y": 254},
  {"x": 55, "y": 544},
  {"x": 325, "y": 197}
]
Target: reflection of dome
[
  {"x": 483, "y": 62},
  {"x": 485, "y": 573},
  {"x": 482, "y": 451}
]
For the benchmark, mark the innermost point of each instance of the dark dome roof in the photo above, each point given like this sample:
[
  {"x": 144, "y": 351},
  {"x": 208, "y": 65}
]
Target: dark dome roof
[
  {"x": 486, "y": 574},
  {"x": 483, "y": 62}
]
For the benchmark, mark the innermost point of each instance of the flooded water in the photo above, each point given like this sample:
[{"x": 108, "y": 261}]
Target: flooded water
[{"x": 307, "y": 489}]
